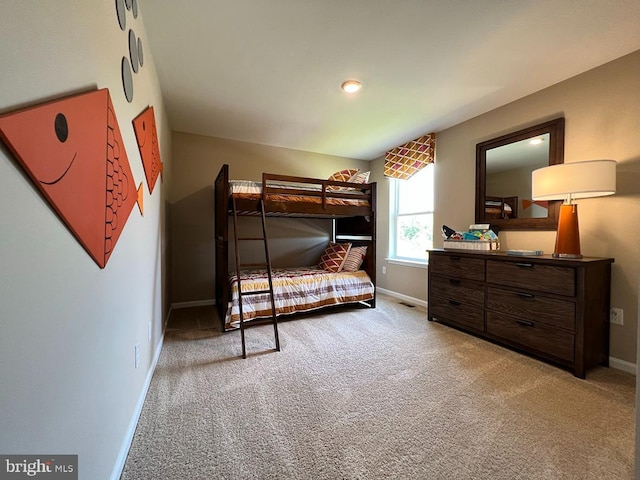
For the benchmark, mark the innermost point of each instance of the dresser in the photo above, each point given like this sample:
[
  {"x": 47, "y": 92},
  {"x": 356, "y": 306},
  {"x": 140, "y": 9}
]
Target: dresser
[{"x": 551, "y": 308}]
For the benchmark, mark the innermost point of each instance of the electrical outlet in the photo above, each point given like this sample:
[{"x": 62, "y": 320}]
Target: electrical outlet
[
  {"x": 384, "y": 270},
  {"x": 137, "y": 352},
  {"x": 616, "y": 316}
]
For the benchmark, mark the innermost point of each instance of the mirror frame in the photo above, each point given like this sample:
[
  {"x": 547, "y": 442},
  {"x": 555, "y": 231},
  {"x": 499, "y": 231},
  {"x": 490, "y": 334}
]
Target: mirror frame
[{"x": 555, "y": 129}]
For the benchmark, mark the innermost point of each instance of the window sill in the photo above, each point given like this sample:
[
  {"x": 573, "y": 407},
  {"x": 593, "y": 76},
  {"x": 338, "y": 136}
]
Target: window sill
[{"x": 407, "y": 263}]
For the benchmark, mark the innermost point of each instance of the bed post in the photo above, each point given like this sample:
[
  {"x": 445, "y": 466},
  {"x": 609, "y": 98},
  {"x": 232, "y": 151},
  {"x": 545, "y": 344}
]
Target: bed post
[
  {"x": 373, "y": 222},
  {"x": 364, "y": 227},
  {"x": 221, "y": 234}
]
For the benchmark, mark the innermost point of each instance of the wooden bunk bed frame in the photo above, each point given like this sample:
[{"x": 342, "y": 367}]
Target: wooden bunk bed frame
[
  {"x": 355, "y": 222},
  {"x": 503, "y": 212}
]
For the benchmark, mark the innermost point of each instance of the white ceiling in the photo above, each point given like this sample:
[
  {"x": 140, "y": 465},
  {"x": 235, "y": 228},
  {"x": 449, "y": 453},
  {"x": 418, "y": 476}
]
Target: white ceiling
[{"x": 269, "y": 71}]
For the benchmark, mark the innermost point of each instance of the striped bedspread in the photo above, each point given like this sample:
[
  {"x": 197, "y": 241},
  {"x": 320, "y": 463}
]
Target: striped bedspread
[
  {"x": 253, "y": 190},
  {"x": 296, "y": 290}
]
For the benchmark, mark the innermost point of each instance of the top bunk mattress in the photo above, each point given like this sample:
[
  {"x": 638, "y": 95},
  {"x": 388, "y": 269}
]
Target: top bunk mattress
[
  {"x": 303, "y": 193},
  {"x": 498, "y": 205}
]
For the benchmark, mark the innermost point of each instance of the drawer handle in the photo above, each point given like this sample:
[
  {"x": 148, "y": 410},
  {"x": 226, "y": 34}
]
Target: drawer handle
[
  {"x": 524, "y": 323},
  {"x": 454, "y": 282},
  {"x": 525, "y": 265},
  {"x": 454, "y": 303},
  {"x": 455, "y": 259},
  {"x": 525, "y": 295}
]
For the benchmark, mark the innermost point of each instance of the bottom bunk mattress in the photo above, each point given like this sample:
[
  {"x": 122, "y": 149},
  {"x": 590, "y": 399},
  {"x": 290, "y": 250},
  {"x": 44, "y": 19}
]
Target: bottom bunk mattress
[{"x": 295, "y": 290}]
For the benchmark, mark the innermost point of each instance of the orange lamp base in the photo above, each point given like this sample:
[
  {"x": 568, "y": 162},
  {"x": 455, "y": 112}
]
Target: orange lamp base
[{"x": 568, "y": 236}]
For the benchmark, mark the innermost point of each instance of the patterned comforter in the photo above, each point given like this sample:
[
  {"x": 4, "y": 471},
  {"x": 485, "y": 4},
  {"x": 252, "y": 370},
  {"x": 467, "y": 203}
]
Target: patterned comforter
[
  {"x": 296, "y": 290},
  {"x": 253, "y": 190}
]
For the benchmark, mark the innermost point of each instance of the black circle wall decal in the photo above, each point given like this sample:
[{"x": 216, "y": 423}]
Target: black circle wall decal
[
  {"x": 133, "y": 51},
  {"x": 134, "y": 5},
  {"x": 121, "y": 12},
  {"x": 61, "y": 127},
  {"x": 140, "y": 55},
  {"x": 127, "y": 79}
]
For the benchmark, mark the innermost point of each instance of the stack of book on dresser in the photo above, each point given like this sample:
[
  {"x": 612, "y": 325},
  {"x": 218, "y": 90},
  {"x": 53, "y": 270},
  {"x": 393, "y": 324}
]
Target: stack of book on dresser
[{"x": 478, "y": 237}]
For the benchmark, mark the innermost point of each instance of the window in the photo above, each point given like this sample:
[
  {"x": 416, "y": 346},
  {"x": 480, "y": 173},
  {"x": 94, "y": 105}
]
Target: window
[{"x": 411, "y": 222}]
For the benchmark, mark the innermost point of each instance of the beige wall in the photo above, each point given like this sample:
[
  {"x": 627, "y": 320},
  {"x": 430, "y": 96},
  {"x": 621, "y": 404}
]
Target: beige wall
[
  {"x": 602, "y": 112},
  {"x": 198, "y": 160}
]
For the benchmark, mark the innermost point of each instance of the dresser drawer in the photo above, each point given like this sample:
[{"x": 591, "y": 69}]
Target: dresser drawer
[
  {"x": 530, "y": 306},
  {"x": 452, "y": 311},
  {"x": 456, "y": 289},
  {"x": 532, "y": 276},
  {"x": 457, "y": 266},
  {"x": 532, "y": 335}
]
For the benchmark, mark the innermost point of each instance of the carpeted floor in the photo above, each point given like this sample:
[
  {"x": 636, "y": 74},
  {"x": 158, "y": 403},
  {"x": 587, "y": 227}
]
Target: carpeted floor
[{"x": 370, "y": 394}]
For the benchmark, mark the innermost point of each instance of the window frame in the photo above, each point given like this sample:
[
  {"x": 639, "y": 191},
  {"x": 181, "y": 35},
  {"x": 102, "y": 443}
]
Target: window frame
[{"x": 394, "y": 216}]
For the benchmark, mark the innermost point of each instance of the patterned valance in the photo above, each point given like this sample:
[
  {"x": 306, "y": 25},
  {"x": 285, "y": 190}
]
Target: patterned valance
[{"x": 403, "y": 161}]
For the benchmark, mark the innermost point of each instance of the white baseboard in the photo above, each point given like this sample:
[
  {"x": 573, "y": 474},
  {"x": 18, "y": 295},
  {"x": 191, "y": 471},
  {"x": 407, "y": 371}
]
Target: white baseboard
[
  {"x": 194, "y": 303},
  {"x": 133, "y": 423},
  {"x": 406, "y": 298},
  {"x": 623, "y": 365}
]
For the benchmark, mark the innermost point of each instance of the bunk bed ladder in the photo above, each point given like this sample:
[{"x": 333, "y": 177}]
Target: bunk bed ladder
[{"x": 267, "y": 265}]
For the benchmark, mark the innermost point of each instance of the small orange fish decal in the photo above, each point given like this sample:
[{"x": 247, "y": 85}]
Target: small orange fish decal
[
  {"x": 144, "y": 126},
  {"x": 541, "y": 203},
  {"x": 72, "y": 150}
]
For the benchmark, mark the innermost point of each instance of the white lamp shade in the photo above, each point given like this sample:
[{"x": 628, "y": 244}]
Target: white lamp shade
[{"x": 593, "y": 178}]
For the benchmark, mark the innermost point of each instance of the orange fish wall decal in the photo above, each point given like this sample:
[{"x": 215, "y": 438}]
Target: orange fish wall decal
[
  {"x": 144, "y": 126},
  {"x": 73, "y": 151},
  {"x": 541, "y": 203}
]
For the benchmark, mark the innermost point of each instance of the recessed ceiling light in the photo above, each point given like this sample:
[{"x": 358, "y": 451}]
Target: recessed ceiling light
[
  {"x": 535, "y": 141},
  {"x": 351, "y": 86}
]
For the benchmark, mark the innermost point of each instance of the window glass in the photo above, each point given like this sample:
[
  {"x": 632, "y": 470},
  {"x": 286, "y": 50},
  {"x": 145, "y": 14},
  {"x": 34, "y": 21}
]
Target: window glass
[
  {"x": 415, "y": 195},
  {"x": 411, "y": 223}
]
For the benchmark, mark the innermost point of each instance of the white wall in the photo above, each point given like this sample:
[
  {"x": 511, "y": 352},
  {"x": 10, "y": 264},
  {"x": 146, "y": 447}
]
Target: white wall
[{"x": 68, "y": 329}]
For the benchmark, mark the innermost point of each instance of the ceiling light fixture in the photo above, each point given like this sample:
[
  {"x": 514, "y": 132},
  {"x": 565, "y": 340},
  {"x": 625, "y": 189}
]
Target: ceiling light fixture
[
  {"x": 351, "y": 86},
  {"x": 536, "y": 141}
]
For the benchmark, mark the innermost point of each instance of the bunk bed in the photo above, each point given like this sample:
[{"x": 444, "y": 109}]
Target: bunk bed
[
  {"x": 500, "y": 207},
  {"x": 350, "y": 206}
]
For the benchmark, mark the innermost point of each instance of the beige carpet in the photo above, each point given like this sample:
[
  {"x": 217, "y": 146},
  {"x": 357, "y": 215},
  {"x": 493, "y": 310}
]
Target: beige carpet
[{"x": 368, "y": 394}]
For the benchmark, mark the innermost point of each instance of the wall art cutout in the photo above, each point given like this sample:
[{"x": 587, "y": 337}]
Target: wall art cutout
[
  {"x": 73, "y": 151},
  {"x": 145, "y": 127},
  {"x": 133, "y": 63},
  {"x": 121, "y": 14},
  {"x": 528, "y": 203},
  {"x": 127, "y": 79},
  {"x": 133, "y": 4},
  {"x": 133, "y": 52}
]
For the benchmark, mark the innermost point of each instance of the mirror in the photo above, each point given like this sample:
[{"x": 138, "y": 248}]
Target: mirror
[{"x": 503, "y": 177}]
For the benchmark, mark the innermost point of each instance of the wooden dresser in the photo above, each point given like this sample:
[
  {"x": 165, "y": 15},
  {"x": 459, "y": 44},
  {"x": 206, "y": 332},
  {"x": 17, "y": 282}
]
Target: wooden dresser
[{"x": 555, "y": 309}]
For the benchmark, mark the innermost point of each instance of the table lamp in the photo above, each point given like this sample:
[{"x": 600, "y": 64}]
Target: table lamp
[{"x": 568, "y": 181}]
